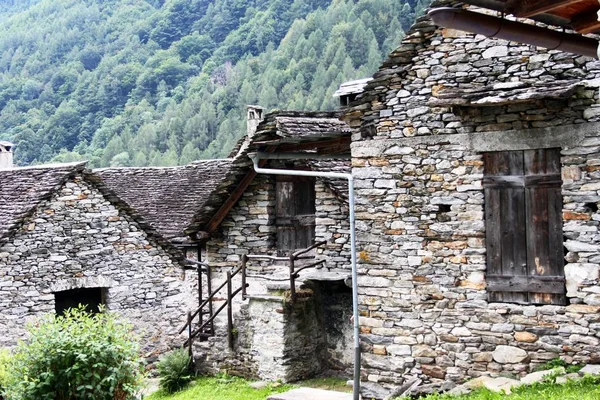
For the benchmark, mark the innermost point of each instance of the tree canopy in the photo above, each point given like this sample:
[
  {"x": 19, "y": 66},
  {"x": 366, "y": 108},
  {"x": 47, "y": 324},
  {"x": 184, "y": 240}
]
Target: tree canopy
[{"x": 165, "y": 82}]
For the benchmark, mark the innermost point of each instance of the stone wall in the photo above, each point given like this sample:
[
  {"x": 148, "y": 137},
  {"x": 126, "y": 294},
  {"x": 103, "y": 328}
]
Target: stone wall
[
  {"x": 78, "y": 239},
  {"x": 273, "y": 341},
  {"x": 249, "y": 228},
  {"x": 420, "y": 220}
]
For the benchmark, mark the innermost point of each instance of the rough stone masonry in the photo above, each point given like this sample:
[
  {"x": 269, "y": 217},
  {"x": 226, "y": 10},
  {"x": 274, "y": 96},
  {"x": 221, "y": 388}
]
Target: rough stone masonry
[
  {"x": 78, "y": 239},
  {"x": 441, "y": 99}
]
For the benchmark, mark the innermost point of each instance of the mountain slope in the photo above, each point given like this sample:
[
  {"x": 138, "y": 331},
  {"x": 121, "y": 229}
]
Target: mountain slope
[{"x": 130, "y": 82}]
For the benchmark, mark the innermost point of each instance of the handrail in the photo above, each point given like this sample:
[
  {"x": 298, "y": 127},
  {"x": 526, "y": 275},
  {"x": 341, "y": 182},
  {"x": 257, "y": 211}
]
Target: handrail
[
  {"x": 294, "y": 273},
  {"x": 314, "y": 246},
  {"x": 210, "y": 296},
  {"x": 198, "y": 330},
  {"x": 294, "y": 256}
]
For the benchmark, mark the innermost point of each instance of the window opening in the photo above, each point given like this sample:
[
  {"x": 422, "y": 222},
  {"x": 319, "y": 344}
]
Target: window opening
[{"x": 91, "y": 298}]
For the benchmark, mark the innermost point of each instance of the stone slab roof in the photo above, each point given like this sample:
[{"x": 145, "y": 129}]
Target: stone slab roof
[
  {"x": 168, "y": 198},
  {"x": 23, "y": 189},
  {"x": 352, "y": 87},
  {"x": 507, "y": 93},
  {"x": 278, "y": 128}
]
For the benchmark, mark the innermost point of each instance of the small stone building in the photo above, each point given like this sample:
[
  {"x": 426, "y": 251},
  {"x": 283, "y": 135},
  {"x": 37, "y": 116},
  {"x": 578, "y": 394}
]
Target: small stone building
[
  {"x": 217, "y": 211},
  {"x": 66, "y": 240},
  {"x": 476, "y": 165}
]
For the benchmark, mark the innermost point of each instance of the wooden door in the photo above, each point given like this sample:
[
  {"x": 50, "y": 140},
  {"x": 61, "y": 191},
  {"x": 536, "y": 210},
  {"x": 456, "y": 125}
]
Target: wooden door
[{"x": 523, "y": 211}]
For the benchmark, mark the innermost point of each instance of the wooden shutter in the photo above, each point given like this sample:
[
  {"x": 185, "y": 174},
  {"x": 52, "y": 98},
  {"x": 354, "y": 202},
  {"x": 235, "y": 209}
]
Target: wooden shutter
[
  {"x": 523, "y": 211},
  {"x": 295, "y": 213}
]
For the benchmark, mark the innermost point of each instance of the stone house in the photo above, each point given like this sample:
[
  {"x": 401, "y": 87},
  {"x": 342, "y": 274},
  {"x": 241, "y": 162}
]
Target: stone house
[
  {"x": 65, "y": 239},
  {"x": 476, "y": 167},
  {"x": 217, "y": 211}
]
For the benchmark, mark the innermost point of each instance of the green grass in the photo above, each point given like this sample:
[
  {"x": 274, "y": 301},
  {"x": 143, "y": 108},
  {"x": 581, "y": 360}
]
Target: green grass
[
  {"x": 233, "y": 388},
  {"x": 587, "y": 388},
  {"x": 221, "y": 388}
]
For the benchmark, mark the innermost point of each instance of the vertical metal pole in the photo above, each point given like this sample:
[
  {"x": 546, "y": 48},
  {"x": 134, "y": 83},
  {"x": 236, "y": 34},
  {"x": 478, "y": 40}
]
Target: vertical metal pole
[
  {"x": 292, "y": 279},
  {"x": 199, "y": 267},
  {"x": 229, "y": 312},
  {"x": 357, "y": 355},
  {"x": 244, "y": 263},
  {"x": 189, "y": 320},
  {"x": 210, "y": 303}
]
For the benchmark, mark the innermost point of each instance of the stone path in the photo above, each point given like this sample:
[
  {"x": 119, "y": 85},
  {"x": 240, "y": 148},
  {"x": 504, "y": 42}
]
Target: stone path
[
  {"x": 311, "y": 394},
  {"x": 150, "y": 386}
]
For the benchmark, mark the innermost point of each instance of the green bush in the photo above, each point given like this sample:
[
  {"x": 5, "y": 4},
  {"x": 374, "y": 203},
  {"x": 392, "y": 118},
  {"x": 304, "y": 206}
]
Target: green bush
[
  {"x": 174, "y": 369},
  {"x": 4, "y": 359},
  {"x": 76, "y": 356}
]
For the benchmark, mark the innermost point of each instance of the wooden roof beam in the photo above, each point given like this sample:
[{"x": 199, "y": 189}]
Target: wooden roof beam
[
  {"x": 233, "y": 198},
  {"x": 525, "y": 10},
  {"x": 586, "y": 23}
]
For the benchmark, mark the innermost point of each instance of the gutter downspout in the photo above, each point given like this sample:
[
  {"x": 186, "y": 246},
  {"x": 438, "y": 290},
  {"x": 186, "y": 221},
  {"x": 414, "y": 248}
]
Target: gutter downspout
[{"x": 335, "y": 175}]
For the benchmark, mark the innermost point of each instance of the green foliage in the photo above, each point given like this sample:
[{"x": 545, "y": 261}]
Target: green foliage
[
  {"x": 587, "y": 388},
  {"x": 223, "y": 387},
  {"x": 76, "y": 356},
  {"x": 5, "y": 358},
  {"x": 174, "y": 369},
  {"x": 163, "y": 82},
  {"x": 559, "y": 362}
]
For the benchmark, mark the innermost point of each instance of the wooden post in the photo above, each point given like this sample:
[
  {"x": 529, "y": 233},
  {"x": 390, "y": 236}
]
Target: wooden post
[
  {"x": 292, "y": 278},
  {"x": 229, "y": 312},
  {"x": 244, "y": 262},
  {"x": 189, "y": 320}
]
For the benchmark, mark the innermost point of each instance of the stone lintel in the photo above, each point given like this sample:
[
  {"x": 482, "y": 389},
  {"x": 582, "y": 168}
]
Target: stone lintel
[
  {"x": 82, "y": 283},
  {"x": 567, "y": 136}
]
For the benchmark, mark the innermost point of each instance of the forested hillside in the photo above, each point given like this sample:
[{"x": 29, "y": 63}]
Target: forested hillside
[{"x": 165, "y": 82}]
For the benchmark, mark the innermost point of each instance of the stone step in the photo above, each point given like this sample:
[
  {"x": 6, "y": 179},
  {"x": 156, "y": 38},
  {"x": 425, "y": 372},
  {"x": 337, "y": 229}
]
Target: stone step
[{"x": 311, "y": 394}]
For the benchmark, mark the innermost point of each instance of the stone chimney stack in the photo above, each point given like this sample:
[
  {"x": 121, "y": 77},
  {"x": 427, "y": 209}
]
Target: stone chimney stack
[
  {"x": 6, "y": 155},
  {"x": 255, "y": 116}
]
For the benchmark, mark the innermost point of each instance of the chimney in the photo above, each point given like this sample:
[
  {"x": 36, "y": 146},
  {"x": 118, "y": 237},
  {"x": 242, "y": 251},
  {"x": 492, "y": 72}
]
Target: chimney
[
  {"x": 6, "y": 155},
  {"x": 255, "y": 116},
  {"x": 348, "y": 91}
]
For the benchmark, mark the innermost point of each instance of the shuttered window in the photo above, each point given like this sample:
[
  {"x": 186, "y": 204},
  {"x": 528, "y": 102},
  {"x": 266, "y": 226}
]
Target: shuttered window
[
  {"x": 523, "y": 212},
  {"x": 295, "y": 213}
]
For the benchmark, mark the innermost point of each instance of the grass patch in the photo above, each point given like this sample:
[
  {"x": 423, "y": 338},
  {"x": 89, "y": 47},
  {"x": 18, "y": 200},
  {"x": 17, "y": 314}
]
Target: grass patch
[
  {"x": 587, "y": 388},
  {"x": 233, "y": 388},
  {"x": 221, "y": 388}
]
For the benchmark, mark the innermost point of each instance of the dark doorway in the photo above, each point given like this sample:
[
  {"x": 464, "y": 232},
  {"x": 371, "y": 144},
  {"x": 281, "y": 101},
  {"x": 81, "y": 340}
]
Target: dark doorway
[
  {"x": 334, "y": 299},
  {"x": 91, "y": 298}
]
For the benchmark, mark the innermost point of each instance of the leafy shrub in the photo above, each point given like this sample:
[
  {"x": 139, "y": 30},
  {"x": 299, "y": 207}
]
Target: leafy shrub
[
  {"x": 4, "y": 359},
  {"x": 559, "y": 362},
  {"x": 174, "y": 369},
  {"x": 76, "y": 356}
]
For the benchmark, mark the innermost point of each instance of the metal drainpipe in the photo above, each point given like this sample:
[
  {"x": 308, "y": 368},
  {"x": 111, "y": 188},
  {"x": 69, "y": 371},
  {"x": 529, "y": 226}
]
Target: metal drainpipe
[{"x": 336, "y": 175}]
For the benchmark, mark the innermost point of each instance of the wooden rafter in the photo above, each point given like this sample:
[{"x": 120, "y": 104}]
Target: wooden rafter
[
  {"x": 335, "y": 145},
  {"x": 586, "y": 23},
  {"x": 218, "y": 217},
  {"x": 526, "y": 10}
]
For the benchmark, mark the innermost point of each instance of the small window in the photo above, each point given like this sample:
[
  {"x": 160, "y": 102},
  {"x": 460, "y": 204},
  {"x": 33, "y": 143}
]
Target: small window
[
  {"x": 91, "y": 298},
  {"x": 295, "y": 213},
  {"x": 524, "y": 238}
]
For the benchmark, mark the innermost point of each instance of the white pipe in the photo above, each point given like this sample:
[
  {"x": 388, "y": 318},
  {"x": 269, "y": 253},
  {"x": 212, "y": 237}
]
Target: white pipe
[{"x": 336, "y": 175}]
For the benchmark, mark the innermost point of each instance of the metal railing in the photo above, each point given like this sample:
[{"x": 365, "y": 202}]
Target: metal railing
[
  {"x": 242, "y": 268},
  {"x": 199, "y": 331}
]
